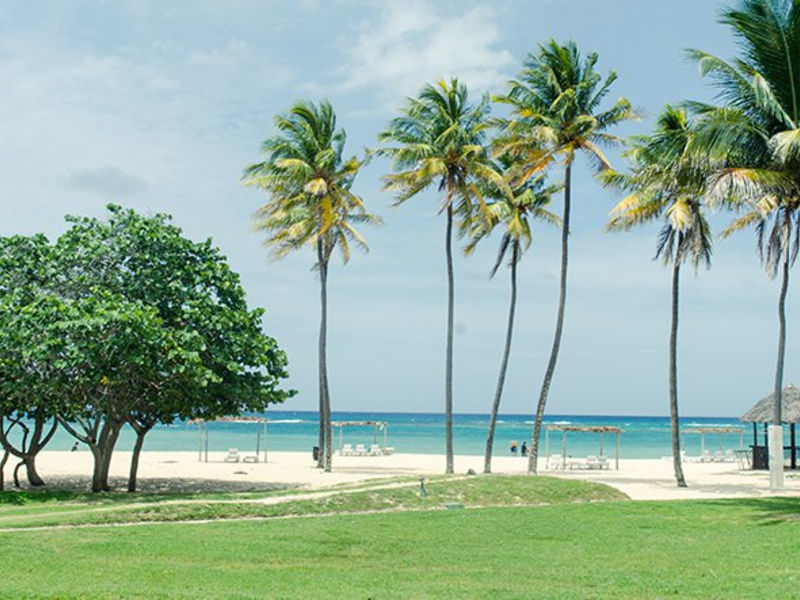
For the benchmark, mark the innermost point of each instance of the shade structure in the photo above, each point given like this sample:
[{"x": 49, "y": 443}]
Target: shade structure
[
  {"x": 761, "y": 412},
  {"x": 599, "y": 429},
  {"x": 377, "y": 426},
  {"x": 720, "y": 431},
  {"x": 203, "y": 426}
]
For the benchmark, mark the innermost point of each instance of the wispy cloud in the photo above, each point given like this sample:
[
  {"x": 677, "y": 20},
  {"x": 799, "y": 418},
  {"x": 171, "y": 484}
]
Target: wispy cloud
[{"x": 404, "y": 45}]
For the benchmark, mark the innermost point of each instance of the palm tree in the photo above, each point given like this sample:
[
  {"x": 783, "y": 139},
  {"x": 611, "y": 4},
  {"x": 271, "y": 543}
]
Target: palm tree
[
  {"x": 757, "y": 131},
  {"x": 513, "y": 213},
  {"x": 667, "y": 182},
  {"x": 439, "y": 140},
  {"x": 555, "y": 113},
  {"x": 310, "y": 204}
]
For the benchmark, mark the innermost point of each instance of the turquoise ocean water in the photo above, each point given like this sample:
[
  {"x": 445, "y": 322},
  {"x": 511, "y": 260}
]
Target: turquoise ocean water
[{"x": 423, "y": 433}]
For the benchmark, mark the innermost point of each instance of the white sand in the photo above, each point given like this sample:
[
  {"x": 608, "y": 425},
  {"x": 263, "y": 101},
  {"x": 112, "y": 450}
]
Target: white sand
[{"x": 640, "y": 479}]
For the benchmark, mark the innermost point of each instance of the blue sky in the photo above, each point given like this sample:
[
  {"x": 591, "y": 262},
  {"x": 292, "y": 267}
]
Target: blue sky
[{"x": 159, "y": 106}]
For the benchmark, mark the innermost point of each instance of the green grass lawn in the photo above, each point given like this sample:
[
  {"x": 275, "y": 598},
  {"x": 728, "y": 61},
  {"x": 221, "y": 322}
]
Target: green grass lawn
[{"x": 589, "y": 549}]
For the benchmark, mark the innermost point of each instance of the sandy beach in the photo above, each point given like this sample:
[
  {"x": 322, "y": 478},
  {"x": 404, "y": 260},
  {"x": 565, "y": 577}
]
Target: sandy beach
[{"x": 173, "y": 471}]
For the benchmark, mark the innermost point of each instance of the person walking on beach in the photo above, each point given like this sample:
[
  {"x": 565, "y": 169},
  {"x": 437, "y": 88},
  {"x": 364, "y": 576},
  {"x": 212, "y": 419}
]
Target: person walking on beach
[
  {"x": 523, "y": 451},
  {"x": 513, "y": 447}
]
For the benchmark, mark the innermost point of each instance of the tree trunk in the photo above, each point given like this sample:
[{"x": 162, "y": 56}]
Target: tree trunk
[
  {"x": 3, "y": 462},
  {"x": 34, "y": 479},
  {"x": 326, "y": 447},
  {"x": 97, "y": 470},
  {"x": 673, "y": 379},
  {"x": 30, "y": 446},
  {"x": 448, "y": 368},
  {"x": 776, "y": 454},
  {"x": 501, "y": 378},
  {"x": 137, "y": 450},
  {"x": 562, "y": 300},
  {"x": 108, "y": 454}
]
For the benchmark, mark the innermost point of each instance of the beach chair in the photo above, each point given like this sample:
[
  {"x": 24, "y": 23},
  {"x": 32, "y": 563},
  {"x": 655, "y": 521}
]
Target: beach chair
[
  {"x": 361, "y": 450},
  {"x": 556, "y": 461},
  {"x": 375, "y": 450},
  {"x": 388, "y": 450},
  {"x": 233, "y": 455},
  {"x": 250, "y": 458},
  {"x": 347, "y": 450}
]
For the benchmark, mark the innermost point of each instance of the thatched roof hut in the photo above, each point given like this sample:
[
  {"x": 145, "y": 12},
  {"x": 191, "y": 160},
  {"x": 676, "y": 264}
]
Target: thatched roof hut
[{"x": 762, "y": 411}]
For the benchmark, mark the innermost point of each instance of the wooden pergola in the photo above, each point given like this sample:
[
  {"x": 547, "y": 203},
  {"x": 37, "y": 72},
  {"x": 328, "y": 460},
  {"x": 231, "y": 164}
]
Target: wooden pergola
[
  {"x": 721, "y": 431},
  {"x": 599, "y": 429},
  {"x": 761, "y": 412},
  {"x": 202, "y": 434},
  {"x": 376, "y": 425}
]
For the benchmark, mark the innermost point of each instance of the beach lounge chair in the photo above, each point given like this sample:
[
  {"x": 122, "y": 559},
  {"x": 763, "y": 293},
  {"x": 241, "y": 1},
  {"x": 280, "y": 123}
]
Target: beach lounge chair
[
  {"x": 249, "y": 458},
  {"x": 375, "y": 450},
  {"x": 233, "y": 455},
  {"x": 361, "y": 450},
  {"x": 596, "y": 462},
  {"x": 347, "y": 450},
  {"x": 556, "y": 461},
  {"x": 388, "y": 450}
]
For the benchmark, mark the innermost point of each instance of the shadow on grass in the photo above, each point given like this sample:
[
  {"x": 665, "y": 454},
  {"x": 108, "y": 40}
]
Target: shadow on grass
[
  {"x": 768, "y": 511},
  {"x": 150, "y": 490}
]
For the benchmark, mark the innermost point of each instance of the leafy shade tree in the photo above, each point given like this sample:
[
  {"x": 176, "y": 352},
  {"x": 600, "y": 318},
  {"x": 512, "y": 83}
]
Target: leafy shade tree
[
  {"x": 555, "y": 114},
  {"x": 439, "y": 141},
  {"x": 202, "y": 354},
  {"x": 309, "y": 183},
  {"x": 757, "y": 131},
  {"x": 512, "y": 214},
  {"x": 667, "y": 183},
  {"x": 27, "y": 422}
]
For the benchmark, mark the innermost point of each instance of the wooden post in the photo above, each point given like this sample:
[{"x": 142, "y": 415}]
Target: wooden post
[
  {"x": 755, "y": 435},
  {"x": 794, "y": 449},
  {"x": 601, "y": 443},
  {"x": 206, "y": 427},
  {"x": 265, "y": 440},
  {"x": 564, "y": 448},
  {"x": 617, "y": 454},
  {"x": 375, "y": 434},
  {"x": 258, "y": 439},
  {"x": 547, "y": 447},
  {"x": 385, "y": 435}
]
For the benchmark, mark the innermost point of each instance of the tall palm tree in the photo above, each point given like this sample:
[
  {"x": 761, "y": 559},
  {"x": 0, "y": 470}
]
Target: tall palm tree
[
  {"x": 757, "y": 131},
  {"x": 667, "y": 182},
  {"x": 513, "y": 214},
  {"x": 555, "y": 114},
  {"x": 438, "y": 140},
  {"x": 309, "y": 182}
]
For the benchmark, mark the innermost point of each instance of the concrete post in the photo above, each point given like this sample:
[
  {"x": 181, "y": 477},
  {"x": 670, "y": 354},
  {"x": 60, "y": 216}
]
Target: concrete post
[{"x": 775, "y": 457}]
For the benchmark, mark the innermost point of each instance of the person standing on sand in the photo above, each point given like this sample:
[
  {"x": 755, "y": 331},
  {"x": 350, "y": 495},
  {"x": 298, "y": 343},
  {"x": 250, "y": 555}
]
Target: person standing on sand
[
  {"x": 513, "y": 447},
  {"x": 523, "y": 451}
]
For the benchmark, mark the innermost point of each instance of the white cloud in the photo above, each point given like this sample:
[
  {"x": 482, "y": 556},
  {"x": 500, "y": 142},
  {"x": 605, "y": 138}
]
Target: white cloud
[{"x": 418, "y": 42}]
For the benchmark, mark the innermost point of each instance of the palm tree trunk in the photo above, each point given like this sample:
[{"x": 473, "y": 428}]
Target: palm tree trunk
[
  {"x": 776, "y": 435},
  {"x": 501, "y": 378},
  {"x": 448, "y": 369},
  {"x": 673, "y": 378},
  {"x": 326, "y": 449},
  {"x": 562, "y": 300}
]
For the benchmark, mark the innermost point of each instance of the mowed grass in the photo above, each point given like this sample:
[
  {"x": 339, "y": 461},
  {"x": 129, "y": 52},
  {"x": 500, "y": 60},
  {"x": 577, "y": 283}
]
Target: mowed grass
[
  {"x": 591, "y": 548},
  {"x": 743, "y": 549},
  {"x": 39, "y": 511}
]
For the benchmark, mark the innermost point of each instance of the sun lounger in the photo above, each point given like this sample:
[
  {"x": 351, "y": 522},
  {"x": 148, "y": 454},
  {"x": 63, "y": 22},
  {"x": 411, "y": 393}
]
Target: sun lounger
[
  {"x": 375, "y": 450},
  {"x": 361, "y": 450},
  {"x": 233, "y": 456},
  {"x": 347, "y": 450},
  {"x": 596, "y": 462},
  {"x": 556, "y": 461},
  {"x": 388, "y": 450}
]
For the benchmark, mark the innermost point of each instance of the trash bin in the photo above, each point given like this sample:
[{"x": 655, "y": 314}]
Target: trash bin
[{"x": 315, "y": 452}]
